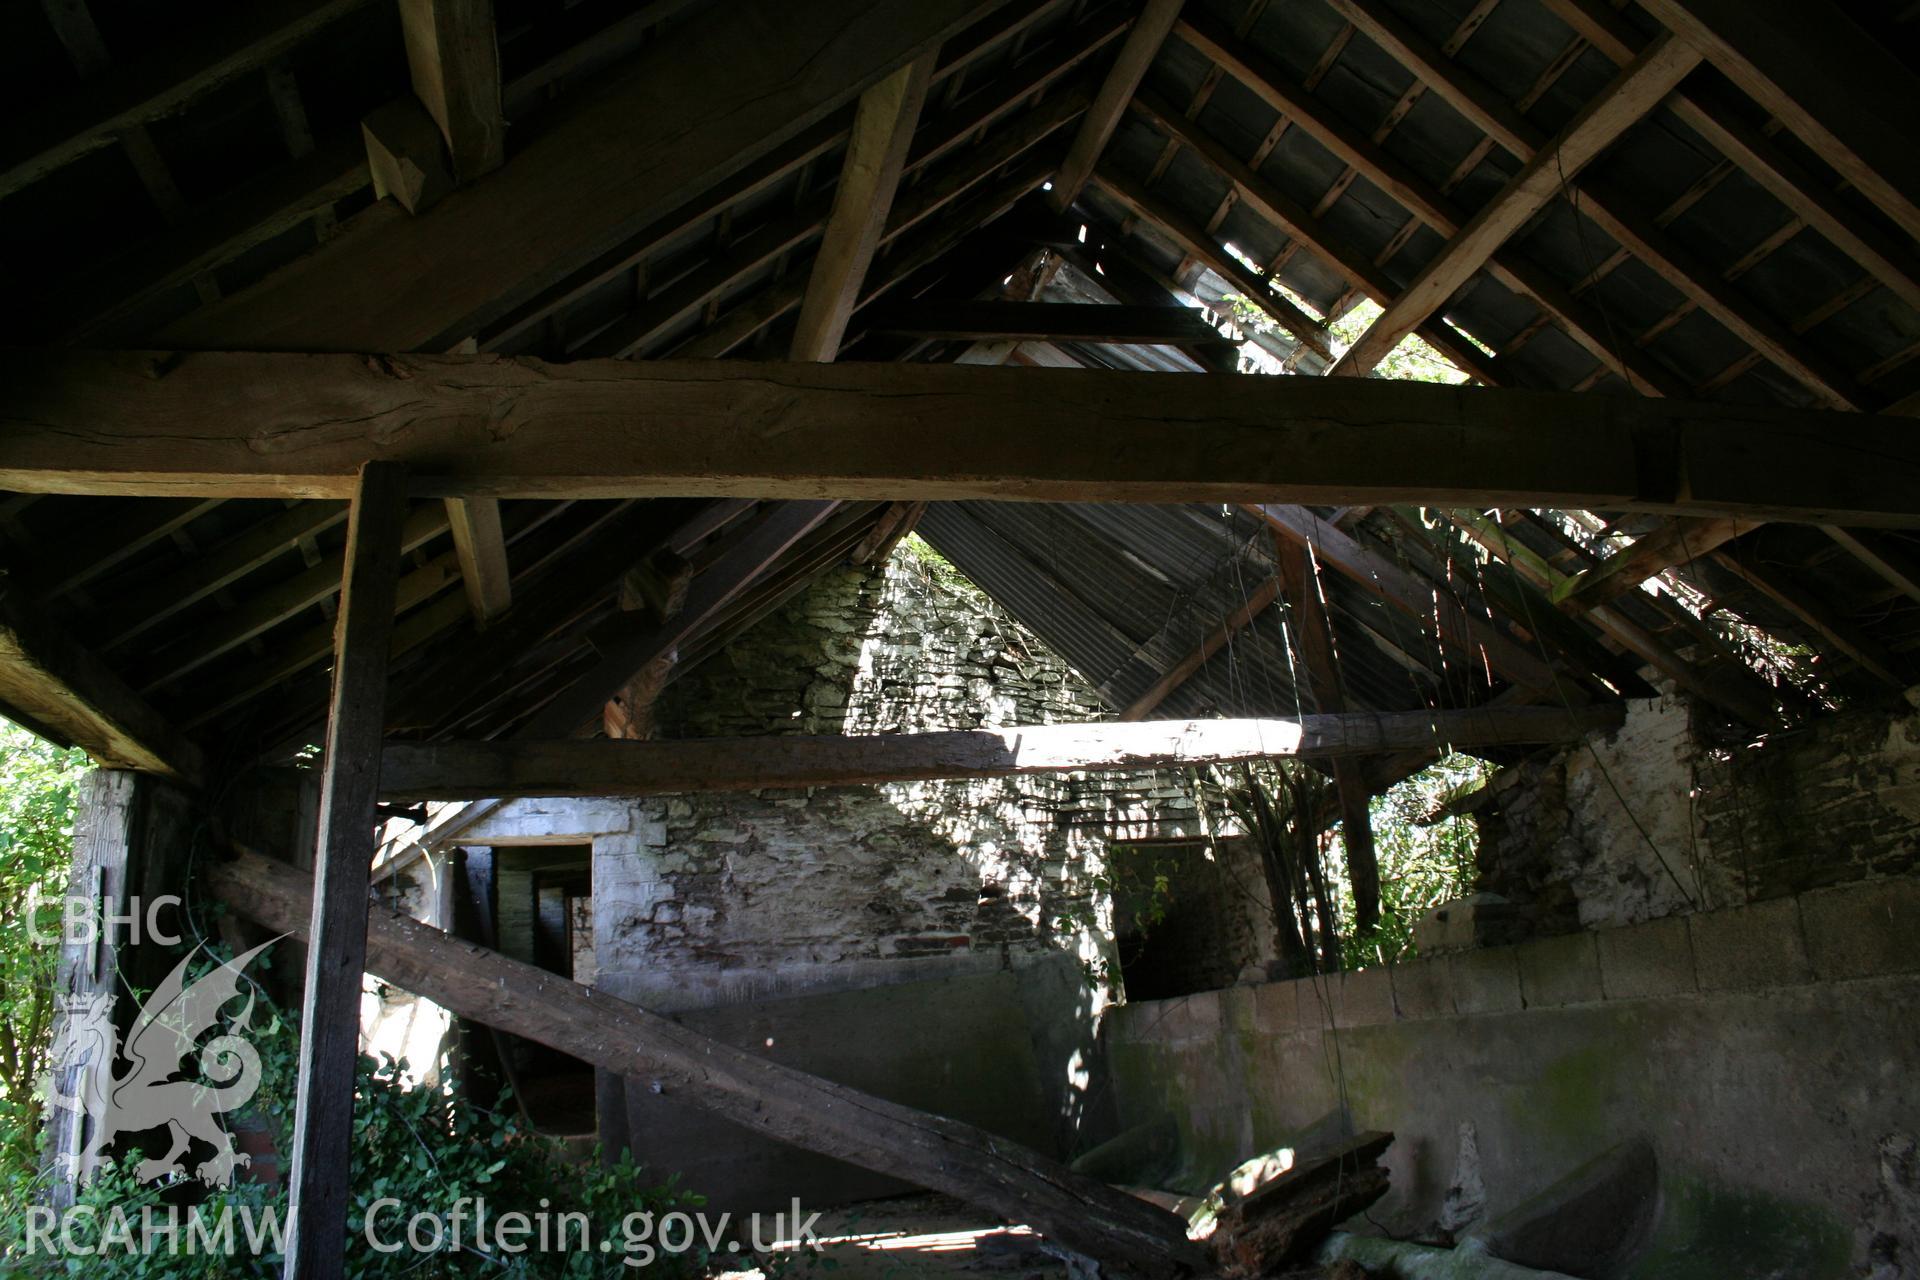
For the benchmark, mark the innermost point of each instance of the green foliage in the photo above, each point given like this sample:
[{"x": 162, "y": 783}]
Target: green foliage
[
  {"x": 1414, "y": 360},
  {"x": 1138, "y": 883},
  {"x": 1426, "y": 857},
  {"x": 424, "y": 1147},
  {"x": 39, "y": 784},
  {"x": 428, "y": 1148},
  {"x": 932, "y": 567}
]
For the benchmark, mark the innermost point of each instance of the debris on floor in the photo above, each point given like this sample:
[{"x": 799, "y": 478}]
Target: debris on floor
[{"x": 1279, "y": 1220}]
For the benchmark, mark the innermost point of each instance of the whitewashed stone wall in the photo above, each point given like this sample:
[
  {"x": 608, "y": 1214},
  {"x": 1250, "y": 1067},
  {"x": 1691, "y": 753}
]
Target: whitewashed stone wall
[
  {"x": 730, "y": 897},
  {"x": 1648, "y": 822}
]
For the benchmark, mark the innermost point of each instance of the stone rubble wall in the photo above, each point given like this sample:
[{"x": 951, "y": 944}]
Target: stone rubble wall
[
  {"x": 782, "y": 888},
  {"x": 1647, "y": 822}
]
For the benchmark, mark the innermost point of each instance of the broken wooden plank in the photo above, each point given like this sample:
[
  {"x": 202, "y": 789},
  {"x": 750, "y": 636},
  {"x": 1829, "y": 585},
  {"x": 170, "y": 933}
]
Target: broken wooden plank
[
  {"x": 1638, "y": 89},
  {"x": 1137, "y": 52},
  {"x": 1278, "y": 1224},
  {"x": 406, "y": 156},
  {"x": 898, "y": 520},
  {"x": 476, "y": 770},
  {"x": 749, "y": 1089},
  {"x": 145, "y": 424},
  {"x": 337, "y": 921}
]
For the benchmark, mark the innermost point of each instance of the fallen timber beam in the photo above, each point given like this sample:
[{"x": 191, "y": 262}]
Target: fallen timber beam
[
  {"x": 140, "y": 423},
  {"x": 943, "y": 1155},
  {"x": 495, "y": 770}
]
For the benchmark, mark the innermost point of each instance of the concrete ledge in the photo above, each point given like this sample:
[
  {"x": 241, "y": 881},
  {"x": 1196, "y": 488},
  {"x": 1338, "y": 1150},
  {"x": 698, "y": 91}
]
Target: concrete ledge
[
  {"x": 1363, "y": 998},
  {"x": 1191, "y": 1018},
  {"x": 1423, "y": 989},
  {"x": 1647, "y": 960},
  {"x": 1756, "y": 946},
  {"x": 1276, "y": 1008},
  {"x": 1862, "y": 929},
  {"x": 1560, "y": 971},
  {"x": 1486, "y": 981}
]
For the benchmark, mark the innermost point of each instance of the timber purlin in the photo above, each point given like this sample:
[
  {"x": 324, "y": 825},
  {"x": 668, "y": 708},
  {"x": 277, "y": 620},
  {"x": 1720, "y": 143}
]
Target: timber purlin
[
  {"x": 492, "y": 427},
  {"x": 645, "y": 182}
]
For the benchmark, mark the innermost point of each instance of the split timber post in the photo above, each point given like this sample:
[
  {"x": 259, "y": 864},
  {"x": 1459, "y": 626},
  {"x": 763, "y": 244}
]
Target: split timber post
[{"x": 343, "y": 857}]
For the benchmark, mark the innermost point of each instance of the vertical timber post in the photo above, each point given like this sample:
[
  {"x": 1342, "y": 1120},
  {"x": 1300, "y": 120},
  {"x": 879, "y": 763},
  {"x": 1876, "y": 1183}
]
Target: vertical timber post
[
  {"x": 102, "y": 847},
  {"x": 337, "y": 948},
  {"x": 1313, "y": 630}
]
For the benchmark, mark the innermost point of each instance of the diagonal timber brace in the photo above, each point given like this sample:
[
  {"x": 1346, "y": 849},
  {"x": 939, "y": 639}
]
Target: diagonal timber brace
[{"x": 944, "y": 1155}]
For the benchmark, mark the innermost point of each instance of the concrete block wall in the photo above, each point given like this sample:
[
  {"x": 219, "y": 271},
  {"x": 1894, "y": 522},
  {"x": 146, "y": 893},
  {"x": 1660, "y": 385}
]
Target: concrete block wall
[{"x": 1769, "y": 1052}]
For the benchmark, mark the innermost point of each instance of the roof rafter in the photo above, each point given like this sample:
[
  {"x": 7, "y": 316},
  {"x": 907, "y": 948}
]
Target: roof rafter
[
  {"x": 587, "y": 181},
  {"x": 97, "y": 114},
  {"x": 882, "y": 131},
  {"x": 1427, "y": 204},
  {"x": 1845, "y": 94},
  {"x": 1142, "y": 46},
  {"x": 1636, "y": 91}
]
